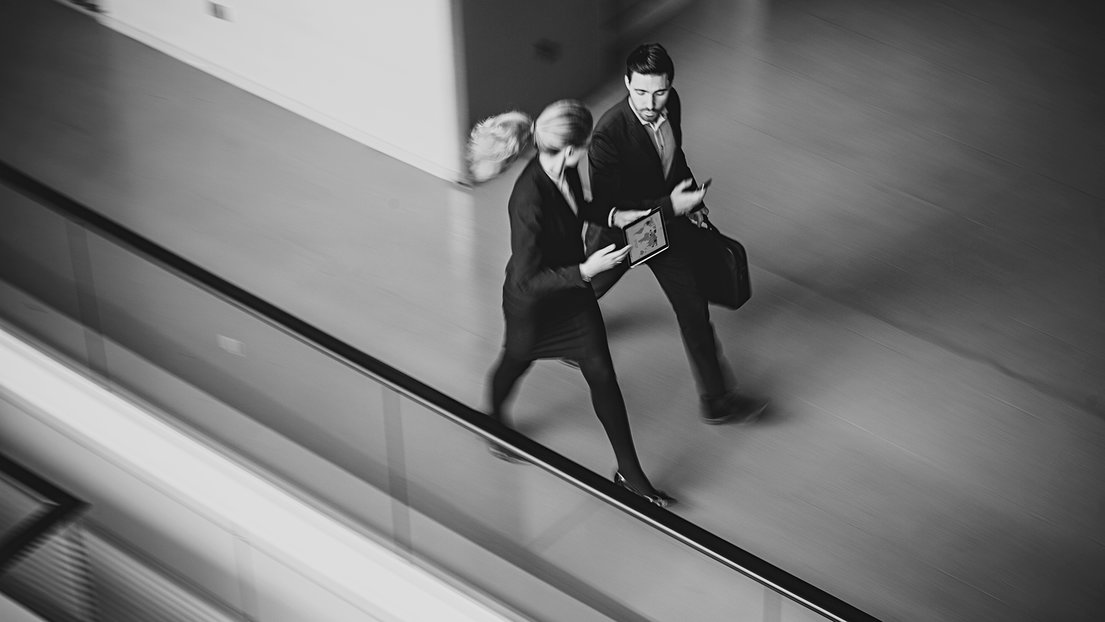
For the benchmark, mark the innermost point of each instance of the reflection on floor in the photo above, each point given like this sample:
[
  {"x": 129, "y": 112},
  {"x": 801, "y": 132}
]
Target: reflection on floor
[{"x": 918, "y": 186}]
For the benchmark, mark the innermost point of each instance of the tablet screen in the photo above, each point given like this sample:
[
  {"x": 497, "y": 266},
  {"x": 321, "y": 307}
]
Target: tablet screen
[{"x": 646, "y": 237}]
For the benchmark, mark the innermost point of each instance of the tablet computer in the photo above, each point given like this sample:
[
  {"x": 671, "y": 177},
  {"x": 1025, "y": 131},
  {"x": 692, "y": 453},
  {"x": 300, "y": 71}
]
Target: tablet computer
[{"x": 646, "y": 237}]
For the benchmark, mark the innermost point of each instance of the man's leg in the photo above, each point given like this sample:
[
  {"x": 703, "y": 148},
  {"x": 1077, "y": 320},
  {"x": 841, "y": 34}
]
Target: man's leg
[{"x": 674, "y": 271}]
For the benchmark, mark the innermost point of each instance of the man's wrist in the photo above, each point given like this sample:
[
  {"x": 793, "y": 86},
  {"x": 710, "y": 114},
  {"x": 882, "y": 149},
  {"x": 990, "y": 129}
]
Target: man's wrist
[{"x": 668, "y": 209}]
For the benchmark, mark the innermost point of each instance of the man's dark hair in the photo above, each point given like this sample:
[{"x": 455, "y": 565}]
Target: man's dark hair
[{"x": 650, "y": 59}]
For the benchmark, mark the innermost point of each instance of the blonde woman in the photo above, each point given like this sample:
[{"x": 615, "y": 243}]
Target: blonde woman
[{"x": 550, "y": 309}]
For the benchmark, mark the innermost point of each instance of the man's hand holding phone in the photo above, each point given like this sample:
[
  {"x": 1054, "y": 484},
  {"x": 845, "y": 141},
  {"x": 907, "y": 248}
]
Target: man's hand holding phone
[{"x": 687, "y": 196}]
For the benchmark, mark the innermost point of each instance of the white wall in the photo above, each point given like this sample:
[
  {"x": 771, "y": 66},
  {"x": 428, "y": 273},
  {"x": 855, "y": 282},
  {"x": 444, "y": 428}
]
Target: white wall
[{"x": 383, "y": 72}]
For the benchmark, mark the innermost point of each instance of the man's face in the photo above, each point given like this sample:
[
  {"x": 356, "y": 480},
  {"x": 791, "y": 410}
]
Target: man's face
[{"x": 648, "y": 93}]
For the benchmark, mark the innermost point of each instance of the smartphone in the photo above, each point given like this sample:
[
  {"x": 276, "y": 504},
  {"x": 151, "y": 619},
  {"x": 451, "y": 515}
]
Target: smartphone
[{"x": 704, "y": 185}]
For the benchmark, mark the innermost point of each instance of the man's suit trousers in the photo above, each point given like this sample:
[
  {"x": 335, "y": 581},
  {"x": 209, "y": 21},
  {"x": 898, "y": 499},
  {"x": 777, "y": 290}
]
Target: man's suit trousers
[{"x": 674, "y": 270}]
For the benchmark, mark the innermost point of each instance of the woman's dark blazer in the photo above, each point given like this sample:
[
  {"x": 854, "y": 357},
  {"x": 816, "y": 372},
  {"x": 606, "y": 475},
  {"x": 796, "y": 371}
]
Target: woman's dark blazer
[
  {"x": 546, "y": 247},
  {"x": 626, "y": 172}
]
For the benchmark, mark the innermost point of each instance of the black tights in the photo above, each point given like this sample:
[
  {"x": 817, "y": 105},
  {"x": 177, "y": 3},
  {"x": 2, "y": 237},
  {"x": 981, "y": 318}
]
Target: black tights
[{"x": 606, "y": 397}]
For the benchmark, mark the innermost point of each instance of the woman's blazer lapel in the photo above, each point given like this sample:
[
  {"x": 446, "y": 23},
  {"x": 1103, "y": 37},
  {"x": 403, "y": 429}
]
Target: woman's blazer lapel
[{"x": 555, "y": 203}]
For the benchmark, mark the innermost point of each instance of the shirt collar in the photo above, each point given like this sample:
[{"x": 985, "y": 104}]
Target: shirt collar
[{"x": 658, "y": 122}]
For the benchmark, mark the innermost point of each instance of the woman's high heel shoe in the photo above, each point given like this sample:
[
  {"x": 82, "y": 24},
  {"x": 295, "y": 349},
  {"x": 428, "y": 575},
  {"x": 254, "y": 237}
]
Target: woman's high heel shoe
[
  {"x": 658, "y": 497},
  {"x": 504, "y": 454}
]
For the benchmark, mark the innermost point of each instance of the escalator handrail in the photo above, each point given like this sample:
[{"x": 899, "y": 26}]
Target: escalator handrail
[{"x": 674, "y": 526}]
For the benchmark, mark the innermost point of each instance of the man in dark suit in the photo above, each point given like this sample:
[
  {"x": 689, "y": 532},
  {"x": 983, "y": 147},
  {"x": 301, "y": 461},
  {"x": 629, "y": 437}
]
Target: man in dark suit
[{"x": 637, "y": 164}]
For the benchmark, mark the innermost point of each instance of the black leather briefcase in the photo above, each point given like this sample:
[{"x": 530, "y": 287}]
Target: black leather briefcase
[{"x": 721, "y": 267}]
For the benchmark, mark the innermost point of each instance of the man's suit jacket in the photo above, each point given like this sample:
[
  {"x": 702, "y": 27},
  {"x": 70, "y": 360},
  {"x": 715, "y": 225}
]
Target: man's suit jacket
[
  {"x": 626, "y": 172},
  {"x": 545, "y": 244}
]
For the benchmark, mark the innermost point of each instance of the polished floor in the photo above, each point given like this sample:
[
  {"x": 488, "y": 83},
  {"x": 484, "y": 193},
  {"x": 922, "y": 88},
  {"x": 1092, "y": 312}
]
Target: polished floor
[{"x": 920, "y": 188}]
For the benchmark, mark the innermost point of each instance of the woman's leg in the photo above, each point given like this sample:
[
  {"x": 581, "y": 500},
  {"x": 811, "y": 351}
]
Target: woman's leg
[
  {"x": 606, "y": 396},
  {"x": 504, "y": 377},
  {"x": 503, "y": 380}
]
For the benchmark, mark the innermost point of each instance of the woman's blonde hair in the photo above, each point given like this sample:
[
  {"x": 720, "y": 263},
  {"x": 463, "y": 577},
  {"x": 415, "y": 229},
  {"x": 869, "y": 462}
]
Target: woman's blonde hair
[{"x": 496, "y": 142}]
